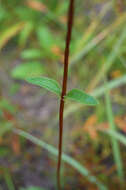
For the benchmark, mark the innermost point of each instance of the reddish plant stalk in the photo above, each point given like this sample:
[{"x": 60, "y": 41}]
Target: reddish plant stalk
[{"x": 64, "y": 88}]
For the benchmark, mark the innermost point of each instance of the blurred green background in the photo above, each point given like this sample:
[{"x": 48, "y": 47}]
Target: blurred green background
[{"x": 32, "y": 42}]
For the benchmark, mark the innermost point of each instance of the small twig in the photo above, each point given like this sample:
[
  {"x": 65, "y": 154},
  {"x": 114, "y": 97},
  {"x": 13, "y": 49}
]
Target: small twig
[{"x": 64, "y": 88}]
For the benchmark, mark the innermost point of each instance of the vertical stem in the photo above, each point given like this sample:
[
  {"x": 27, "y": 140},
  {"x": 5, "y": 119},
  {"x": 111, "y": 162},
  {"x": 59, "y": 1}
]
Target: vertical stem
[{"x": 64, "y": 88}]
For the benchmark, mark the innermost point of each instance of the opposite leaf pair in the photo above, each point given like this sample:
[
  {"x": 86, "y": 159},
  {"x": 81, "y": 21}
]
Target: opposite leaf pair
[{"x": 53, "y": 86}]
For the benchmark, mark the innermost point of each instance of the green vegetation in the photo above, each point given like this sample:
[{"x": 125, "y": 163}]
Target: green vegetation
[{"x": 32, "y": 44}]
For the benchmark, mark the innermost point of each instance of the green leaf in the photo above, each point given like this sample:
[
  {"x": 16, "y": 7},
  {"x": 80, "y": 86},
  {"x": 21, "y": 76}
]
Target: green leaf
[
  {"x": 25, "y": 70},
  {"x": 81, "y": 97},
  {"x": 31, "y": 54},
  {"x": 25, "y": 33},
  {"x": 45, "y": 37},
  {"x": 47, "y": 83}
]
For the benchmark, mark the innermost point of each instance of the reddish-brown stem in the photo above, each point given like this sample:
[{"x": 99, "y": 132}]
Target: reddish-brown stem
[{"x": 64, "y": 88}]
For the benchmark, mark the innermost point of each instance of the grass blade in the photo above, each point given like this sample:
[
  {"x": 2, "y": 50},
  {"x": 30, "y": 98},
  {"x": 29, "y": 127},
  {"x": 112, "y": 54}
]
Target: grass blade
[
  {"x": 114, "y": 142},
  {"x": 75, "y": 164},
  {"x": 97, "y": 39},
  {"x": 10, "y": 32},
  {"x": 8, "y": 180},
  {"x": 117, "y": 136},
  {"x": 110, "y": 60}
]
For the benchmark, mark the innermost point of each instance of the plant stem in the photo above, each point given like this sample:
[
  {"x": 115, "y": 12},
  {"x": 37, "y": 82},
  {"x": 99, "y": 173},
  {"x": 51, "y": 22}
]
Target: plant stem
[{"x": 64, "y": 88}]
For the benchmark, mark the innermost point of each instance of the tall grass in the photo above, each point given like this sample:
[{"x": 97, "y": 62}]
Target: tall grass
[
  {"x": 72, "y": 162},
  {"x": 105, "y": 67},
  {"x": 114, "y": 141}
]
